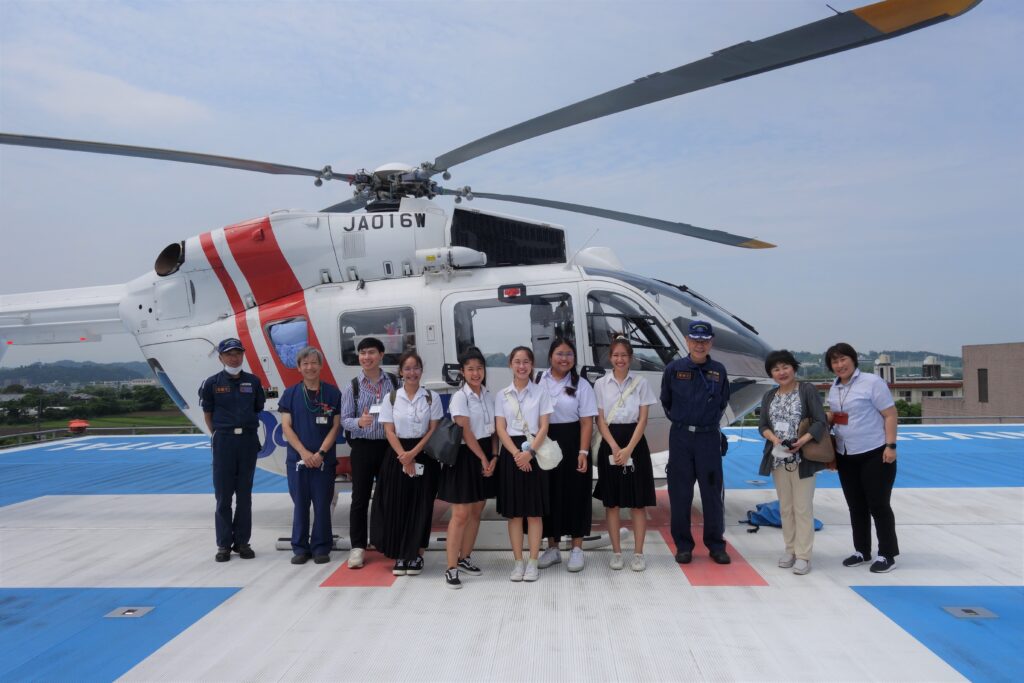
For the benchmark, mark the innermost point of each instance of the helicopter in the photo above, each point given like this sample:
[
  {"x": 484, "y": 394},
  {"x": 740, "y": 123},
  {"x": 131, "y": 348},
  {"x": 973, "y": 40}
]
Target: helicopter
[{"x": 392, "y": 263}]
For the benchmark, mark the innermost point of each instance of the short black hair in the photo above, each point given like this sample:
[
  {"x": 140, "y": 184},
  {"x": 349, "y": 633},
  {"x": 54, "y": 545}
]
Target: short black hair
[
  {"x": 840, "y": 349},
  {"x": 780, "y": 356},
  {"x": 370, "y": 343}
]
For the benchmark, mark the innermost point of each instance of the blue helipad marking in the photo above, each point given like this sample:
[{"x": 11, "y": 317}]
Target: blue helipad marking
[
  {"x": 62, "y": 634},
  {"x": 930, "y": 456},
  {"x": 980, "y": 649},
  {"x": 118, "y": 465}
]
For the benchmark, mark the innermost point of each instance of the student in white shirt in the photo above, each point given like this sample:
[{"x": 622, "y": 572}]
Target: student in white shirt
[
  {"x": 470, "y": 481},
  {"x": 404, "y": 502},
  {"x": 572, "y": 482},
  {"x": 521, "y": 413},
  {"x": 625, "y": 475}
]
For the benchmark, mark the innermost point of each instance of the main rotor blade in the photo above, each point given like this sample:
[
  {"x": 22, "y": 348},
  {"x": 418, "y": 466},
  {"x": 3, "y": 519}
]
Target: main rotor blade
[
  {"x": 169, "y": 155},
  {"x": 345, "y": 206},
  {"x": 845, "y": 31},
  {"x": 669, "y": 226}
]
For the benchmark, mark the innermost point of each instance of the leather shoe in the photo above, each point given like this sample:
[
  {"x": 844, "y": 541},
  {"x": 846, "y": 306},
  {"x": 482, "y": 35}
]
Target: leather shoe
[
  {"x": 300, "y": 559},
  {"x": 321, "y": 559},
  {"x": 684, "y": 557},
  {"x": 223, "y": 555},
  {"x": 720, "y": 556},
  {"x": 244, "y": 551}
]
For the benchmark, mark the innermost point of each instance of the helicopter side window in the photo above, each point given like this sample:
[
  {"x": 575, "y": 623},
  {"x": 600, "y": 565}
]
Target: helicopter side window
[
  {"x": 611, "y": 315},
  {"x": 395, "y": 327},
  {"x": 287, "y": 338},
  {"x": 496, "y": 325}
]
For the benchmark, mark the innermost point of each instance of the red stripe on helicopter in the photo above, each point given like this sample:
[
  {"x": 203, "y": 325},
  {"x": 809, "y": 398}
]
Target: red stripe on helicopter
[
  {"x": 273, "y": 282},
  {"x": 241, "y": 325}
]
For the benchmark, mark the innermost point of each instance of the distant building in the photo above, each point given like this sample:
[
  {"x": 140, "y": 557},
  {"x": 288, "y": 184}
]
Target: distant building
[
  {"x": 913, "y": 390},
  {"x": 993, "y": 377},
  {"x": 931, "y": 368},
  {"x": 884, "y": 368}
]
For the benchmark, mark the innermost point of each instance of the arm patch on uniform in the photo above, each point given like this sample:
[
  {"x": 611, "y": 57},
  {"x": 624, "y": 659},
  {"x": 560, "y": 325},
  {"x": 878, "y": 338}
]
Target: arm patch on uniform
[{"x": 684, "y": 374}]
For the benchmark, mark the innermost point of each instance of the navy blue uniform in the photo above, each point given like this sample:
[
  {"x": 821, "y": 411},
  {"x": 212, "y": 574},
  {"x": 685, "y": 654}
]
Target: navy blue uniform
[
  {"x": 313, "y": 417},
  {"x": 234, "y": 404},
  {"x": 695, "y": 397}
]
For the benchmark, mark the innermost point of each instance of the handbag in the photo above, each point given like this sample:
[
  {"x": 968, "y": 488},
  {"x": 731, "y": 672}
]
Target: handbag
[
  {"x": 443, "y": 444},
  {"x": 595, "y": 439},
  {"x": 548, "y": 454},
  {"x": 816, "y": 451}
]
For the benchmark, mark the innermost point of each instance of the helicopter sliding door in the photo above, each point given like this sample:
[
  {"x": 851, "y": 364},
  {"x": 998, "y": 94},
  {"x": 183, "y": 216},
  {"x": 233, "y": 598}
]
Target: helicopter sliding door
[{"x": 514, "y": 315}]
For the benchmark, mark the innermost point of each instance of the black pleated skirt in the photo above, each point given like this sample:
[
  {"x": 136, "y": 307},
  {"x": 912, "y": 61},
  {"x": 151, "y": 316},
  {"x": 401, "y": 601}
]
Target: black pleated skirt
[
  {"x": 403, "y": 506},
  {"x": 464, "y": 482},
  {"x": 521, "y": 494},
  {"x": 617, "y": 488},
  {"x": 570, "y": 490}
]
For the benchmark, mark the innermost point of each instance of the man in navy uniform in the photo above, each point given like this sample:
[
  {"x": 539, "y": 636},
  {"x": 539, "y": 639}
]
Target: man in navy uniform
[
  {"x": 695, "y": 394},
  {"x": 232, "y": 400}
]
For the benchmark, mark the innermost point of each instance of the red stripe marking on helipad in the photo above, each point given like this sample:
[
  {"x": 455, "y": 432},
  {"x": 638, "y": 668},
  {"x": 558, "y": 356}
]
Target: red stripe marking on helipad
[
  {"x": 375, "y": 573},
  {"x": 703, "y": 571}
]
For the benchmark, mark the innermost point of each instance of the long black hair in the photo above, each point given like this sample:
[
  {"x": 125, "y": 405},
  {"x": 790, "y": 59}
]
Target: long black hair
[
  {"x": 473, "y": 353},
  {"x": 570, "y": 390}
]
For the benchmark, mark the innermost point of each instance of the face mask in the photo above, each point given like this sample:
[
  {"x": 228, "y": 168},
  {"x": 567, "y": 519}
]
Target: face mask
[{"x": 234, "y": 372}]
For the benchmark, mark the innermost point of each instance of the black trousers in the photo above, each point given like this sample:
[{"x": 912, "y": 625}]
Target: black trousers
[
  {"x": 867, "y": 485},
  {"x": 367, "y": 456},
  {"x": 696, "y": 458},
  {"x": 234, "y": 466}
]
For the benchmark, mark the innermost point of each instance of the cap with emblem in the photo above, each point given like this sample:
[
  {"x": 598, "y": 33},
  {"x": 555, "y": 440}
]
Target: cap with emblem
[
  {"x": 230, "y": 344},
  {"x": 700, "y": 329}
]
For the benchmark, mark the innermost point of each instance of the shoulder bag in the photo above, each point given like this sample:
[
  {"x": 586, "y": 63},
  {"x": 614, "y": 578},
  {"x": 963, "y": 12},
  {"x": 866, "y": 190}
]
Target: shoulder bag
[
  {"x": 548, "y": 454},
  {"x": 595, "y": 440},
  {"x": 816, "y": 451}
]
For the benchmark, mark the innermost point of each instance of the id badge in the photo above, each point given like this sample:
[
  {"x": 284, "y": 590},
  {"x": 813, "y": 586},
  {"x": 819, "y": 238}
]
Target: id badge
[
  {"x": 375, "y": 409},
  {"x": 419, "y": 469},
  {"x": 321, "y": 419},
  {"x": 841, "y": 418}
]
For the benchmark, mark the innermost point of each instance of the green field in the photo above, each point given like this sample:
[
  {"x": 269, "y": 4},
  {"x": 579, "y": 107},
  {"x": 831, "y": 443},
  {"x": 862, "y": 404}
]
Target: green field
[{"x": 164, "y": 418}]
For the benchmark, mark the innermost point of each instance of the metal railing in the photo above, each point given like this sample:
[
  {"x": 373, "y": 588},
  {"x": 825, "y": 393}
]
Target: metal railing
[{"x": 9, "y": 440}]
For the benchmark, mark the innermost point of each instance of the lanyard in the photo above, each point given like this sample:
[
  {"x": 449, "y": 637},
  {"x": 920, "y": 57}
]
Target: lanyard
[
  {"x": 317, "y": 406},
  {"x": 844, "y": 394}
]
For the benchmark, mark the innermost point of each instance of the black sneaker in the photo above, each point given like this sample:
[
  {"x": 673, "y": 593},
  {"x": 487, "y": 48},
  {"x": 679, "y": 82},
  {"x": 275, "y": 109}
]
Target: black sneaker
[
  {"x": 414, "y": 567},
  {"x": 399, "y": 568},
  {"x": 300, "y": 559},
  {"x": 855, "y": 560},
  {"x": 465, "y": 565},
  {"x": 451, "y": 578},
  {"x": 223, "y": 555},
  {"x": 244, "y": 551},
  {"x": 883, "y": 565},
  {"x": 684, "y": 557}
]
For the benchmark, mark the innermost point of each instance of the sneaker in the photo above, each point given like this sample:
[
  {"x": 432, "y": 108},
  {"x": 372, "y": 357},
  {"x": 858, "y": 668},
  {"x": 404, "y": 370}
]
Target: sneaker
[
  {"x": 355, "y": 558},
  {"x": 532, "y": 572},
  {"x": 786, "y": 560},
  {"x": 638, "y": 564},
  {"x": 549, "y": 557},
  {"x": 855, "y": 560},
  {"x": 244, "y": 551},
  {"x": 451, "y": 578},
  {"x": 801, "y": 567},
  {"x": 300, "y": 559},
  {"x": 399, "y": 568},
  {"x": 518, "y": 571},
  {"x": 465, "y": 565},
  {"x": 616, "y": 561},
  {"x": 414, "y": 567},
  {"x": 883, "y": 565},
  {"x": 223, "y": 555},
  {"x": 576, "y": 560}
]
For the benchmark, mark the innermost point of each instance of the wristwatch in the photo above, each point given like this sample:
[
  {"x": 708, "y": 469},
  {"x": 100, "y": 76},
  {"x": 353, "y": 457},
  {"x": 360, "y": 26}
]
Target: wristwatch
[
  {"x": 891, "y": 445},
  {"x": 322, "y": 454}
]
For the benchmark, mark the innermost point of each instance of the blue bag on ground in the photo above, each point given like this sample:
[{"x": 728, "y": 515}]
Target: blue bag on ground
[{"x": 767, "y": 514}]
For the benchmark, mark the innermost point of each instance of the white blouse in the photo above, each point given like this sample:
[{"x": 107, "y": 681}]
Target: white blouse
[
  {"x": 411, "y": 418},
  {"x": 534, "y": 401},
  {"x": 608, "y": 391},
  {"x": 864, "y": 399},
  {"x": 479, "y": 410},
  {"x": 568, "y": 408}
]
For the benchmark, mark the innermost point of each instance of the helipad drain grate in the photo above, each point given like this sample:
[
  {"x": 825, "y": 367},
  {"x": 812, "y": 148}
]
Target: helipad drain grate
[
  {"x": 129, "y": 612},
  {"x": 971, "y": 613}
]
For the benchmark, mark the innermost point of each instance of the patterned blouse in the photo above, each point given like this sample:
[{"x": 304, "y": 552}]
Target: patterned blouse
[{"x": 785, "y": 414}]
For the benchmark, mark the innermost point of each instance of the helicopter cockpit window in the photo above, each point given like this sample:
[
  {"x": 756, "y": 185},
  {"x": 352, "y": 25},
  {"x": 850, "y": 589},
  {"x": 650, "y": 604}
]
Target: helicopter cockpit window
[
  {"x": 496, "y": 326},
  {"x": 611, "y": 315},
  {"x": 287, "y": 338},
  {"x": 395, "y": 327}
]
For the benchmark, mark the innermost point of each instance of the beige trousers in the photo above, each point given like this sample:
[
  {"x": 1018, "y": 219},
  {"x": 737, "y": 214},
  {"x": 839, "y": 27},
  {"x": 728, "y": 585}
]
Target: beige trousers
[{"x": 796, "y": 505}]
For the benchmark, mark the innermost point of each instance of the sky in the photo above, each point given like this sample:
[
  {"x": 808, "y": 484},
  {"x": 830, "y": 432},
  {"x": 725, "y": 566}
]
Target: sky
[{"x": 889, "y": 176}]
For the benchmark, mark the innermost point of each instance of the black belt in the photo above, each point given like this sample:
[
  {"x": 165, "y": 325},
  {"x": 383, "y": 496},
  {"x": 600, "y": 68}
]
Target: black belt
[
  {"x": 697, "y": 429},
  {"x": 236, "y": 430}
]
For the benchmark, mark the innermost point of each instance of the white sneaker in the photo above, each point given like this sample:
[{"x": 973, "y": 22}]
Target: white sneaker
[
  {"x": 549, "y": 557},
  {"x": 517, "y": 571},
  {"x": 576, "y": 560},
  {"x": 801, "y": 567},
  {"x": 616, "y": 561},
  {"x": 638, "y": 564},
  {"x": 532, "y": 571},
  {"x": 355, "y": 558},
  {"x": 786, "y": 560}
]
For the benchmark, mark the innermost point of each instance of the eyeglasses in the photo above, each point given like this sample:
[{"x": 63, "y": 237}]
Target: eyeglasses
[{"x": 564, "y": 354}]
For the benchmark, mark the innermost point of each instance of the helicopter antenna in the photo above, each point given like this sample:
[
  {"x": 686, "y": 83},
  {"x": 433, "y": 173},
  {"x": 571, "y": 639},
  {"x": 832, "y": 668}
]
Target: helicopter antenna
[
  {"x": 832, "y": 8},
  {"x": 571, "y": 261}
]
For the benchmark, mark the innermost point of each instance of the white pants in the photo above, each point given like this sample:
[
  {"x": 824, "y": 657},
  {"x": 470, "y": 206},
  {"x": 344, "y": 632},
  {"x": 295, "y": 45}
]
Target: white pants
[{"x": 796, "y": 505}]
